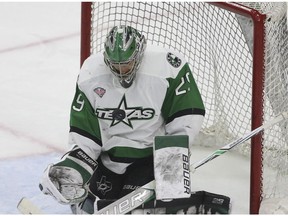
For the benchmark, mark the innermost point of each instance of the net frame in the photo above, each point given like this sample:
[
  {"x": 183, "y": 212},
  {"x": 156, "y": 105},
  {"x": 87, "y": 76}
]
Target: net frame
[{"x": 258, "y": 78}]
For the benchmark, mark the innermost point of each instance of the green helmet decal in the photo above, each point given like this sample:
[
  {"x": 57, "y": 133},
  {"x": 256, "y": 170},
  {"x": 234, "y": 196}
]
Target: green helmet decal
[
  {"x": 124, "y": 45},
  {"x": 121, "y": 45}
]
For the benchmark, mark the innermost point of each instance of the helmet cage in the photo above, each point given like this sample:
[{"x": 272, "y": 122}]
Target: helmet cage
[{"x": 126, "y": 78}]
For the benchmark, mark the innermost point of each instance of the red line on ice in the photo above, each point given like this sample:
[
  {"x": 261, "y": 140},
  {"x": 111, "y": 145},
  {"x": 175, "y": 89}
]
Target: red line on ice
[
  {"x": 30, "y": 138},
  {"x": 51, "y": 40}
]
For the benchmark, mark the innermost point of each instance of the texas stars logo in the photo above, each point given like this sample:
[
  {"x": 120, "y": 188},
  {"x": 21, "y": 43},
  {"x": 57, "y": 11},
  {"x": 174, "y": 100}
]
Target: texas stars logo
[
  {"x": 104, "y": 186},
  {"x": 173, "y": 60},
  {"x": 125, "y": 114}
]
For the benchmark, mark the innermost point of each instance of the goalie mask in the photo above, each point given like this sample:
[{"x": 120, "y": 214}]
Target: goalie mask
[{"x": 124, "y": 49}]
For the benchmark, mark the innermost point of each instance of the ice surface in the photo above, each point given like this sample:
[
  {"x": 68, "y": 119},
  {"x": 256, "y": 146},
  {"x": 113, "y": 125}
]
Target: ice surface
[{"x": 39, "y": 63}]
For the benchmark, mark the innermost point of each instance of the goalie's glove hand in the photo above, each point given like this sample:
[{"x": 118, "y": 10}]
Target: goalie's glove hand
[
  {"x": 65, "y": 184},
  {"x": 67, "y": 180}
]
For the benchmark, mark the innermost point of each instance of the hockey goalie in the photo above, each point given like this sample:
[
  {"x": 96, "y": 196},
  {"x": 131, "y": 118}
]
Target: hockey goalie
[{"x": 133, "y": 120}]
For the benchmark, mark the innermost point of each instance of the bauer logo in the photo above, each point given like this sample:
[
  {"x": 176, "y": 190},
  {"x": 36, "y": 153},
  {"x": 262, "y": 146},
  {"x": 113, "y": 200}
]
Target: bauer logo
[
  {"x": 186, "y": 174},
  {"x": 131, "y": 202},
  {"x": 88, "y": 160}
]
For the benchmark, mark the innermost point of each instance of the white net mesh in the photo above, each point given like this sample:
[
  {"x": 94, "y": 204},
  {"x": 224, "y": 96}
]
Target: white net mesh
[
  {"x": 219, "y": 46},
  {"x": 204, "y": 41}
]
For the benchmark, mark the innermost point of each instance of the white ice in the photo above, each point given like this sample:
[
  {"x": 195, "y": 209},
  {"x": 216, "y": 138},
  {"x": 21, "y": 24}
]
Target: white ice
[{"x": 39, "y": 63}]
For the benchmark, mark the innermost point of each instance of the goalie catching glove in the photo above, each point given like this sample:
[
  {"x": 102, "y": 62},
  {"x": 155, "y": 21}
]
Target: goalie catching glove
[{"x": 67, "y": 180}]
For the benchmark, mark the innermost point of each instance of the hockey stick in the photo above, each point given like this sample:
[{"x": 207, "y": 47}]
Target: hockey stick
[
  {"x": 121, "y": 206},
  {"x": 111, "y": 209},
  {"x": 146, "y": 192},
  {"x": 25, "y": 206},
  {"x": 131, "y": 200},
  {"x": 239, "y": 141}
]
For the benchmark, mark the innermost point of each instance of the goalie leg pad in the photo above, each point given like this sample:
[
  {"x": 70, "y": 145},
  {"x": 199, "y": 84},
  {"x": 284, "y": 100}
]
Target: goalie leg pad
[{"x": 171, "y": 167}]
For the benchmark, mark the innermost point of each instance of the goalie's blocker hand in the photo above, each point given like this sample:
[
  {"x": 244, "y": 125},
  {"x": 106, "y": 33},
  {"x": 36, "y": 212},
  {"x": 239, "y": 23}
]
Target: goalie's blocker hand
[{"x": 67, "y": 180}]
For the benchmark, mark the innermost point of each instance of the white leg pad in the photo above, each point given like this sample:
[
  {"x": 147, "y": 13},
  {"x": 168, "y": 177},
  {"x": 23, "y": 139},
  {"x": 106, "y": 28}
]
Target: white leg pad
[{"x": 171, "y": 167}]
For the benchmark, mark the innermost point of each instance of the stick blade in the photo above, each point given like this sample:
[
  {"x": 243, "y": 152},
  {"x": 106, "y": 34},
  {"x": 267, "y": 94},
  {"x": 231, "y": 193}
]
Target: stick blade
[{"x": 25, "y": 206}]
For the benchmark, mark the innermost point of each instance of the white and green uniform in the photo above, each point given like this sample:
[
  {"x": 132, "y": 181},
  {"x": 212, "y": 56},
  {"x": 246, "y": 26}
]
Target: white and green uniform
[{"x": 120, "y": 123}]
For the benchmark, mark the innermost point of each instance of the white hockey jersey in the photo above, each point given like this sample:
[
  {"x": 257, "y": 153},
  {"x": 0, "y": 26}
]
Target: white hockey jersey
[{"x": 119, "y": 124}]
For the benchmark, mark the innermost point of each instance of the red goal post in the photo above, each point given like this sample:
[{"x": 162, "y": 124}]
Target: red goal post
[
  {"x": 86, "y": 19},
  {"x": 257, "y": 102},
  {"x": 258, "y": 92}
]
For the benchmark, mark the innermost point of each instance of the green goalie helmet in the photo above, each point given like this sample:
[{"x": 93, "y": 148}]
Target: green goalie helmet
[{"x": 124, "y": 49}]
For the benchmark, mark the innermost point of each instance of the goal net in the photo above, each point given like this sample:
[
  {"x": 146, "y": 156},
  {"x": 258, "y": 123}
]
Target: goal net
[{"x": 238, "y": 54}]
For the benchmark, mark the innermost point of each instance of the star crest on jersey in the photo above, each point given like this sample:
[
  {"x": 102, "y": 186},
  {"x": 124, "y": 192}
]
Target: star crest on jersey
[
  {"x": 125, "y": 114},
  {"x": 122, "y": 112}
]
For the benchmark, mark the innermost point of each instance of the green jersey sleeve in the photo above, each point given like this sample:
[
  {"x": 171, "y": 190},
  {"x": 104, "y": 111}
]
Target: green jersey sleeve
[
  {"x": 83, "y": 121},
  {"x": 182, "y": 96}
]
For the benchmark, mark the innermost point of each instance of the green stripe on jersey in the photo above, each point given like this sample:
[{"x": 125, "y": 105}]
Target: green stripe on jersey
[
  {"x": 128, "y": 152},
  {"x": 171, "y": 141}
]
